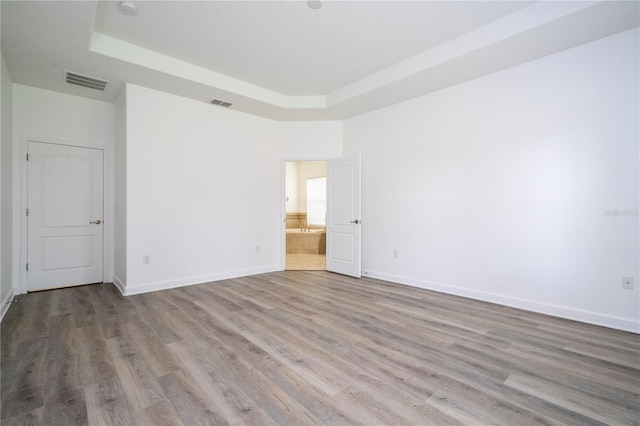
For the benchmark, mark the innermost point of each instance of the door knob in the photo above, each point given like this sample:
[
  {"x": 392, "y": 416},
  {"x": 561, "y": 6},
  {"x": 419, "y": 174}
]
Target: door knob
[
  {"x": 355, "y": 221},
  {"x": 97, "y": 222}
]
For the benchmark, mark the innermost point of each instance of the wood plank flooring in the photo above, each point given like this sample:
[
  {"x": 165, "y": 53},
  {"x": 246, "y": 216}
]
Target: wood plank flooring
[{"x": 296, "y": 348}]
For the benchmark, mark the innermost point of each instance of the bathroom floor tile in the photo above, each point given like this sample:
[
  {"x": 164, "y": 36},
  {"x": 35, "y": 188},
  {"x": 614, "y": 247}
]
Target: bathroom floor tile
[{"x": 306, "y": 262}]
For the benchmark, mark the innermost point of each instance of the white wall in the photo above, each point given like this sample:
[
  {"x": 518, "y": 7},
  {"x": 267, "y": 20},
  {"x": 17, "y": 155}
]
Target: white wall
[
  {"x": 308, "y": 170},
  {"x": 297, "y": 173},
  {"x": 292, "y": 201},
  {"x": 120, "y": 191},
  {"x": 497, "y": 188},
  {"x": 6, "y": 202},
  {"x": 310, "y": 140},
  {"x": 203, "y": 190},
  {"x": 43, "y": 113},
  {"x": 54, "y": 117}
]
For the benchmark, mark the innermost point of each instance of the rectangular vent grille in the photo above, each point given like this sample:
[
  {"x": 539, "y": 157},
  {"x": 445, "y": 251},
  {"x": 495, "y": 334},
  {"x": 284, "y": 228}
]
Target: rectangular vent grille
[
  {"x": 221, "y": 103},
  {"x": 85, "y": 81}
]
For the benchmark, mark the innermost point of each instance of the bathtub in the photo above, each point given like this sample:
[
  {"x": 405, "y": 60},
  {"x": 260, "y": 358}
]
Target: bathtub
[{"x": 303, "y": 241}]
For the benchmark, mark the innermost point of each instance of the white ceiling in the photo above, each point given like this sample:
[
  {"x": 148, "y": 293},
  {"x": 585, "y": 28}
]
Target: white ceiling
[
  {"x": 292, "y": 49},
  {"x": 283, "y": 60}
]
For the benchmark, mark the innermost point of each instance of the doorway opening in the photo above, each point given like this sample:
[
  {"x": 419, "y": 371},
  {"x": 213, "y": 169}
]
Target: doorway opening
[{"x": 306, "y": 212}]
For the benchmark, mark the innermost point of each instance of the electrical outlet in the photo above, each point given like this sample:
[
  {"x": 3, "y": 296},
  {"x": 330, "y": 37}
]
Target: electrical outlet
[
  {"x": 146, "y": 259},
  {"x": 395, "y": 253},
  {"x": 627, "y": 283}
]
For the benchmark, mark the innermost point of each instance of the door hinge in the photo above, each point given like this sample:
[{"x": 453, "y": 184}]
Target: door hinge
[
  {"x": 27, "y": 156},
  {"x": 27, "y": 212},
  {"x": 27, "y": 266}
]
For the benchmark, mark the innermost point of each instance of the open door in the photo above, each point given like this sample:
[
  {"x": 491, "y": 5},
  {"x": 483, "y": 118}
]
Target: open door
[{"x": 343, "y": 216}]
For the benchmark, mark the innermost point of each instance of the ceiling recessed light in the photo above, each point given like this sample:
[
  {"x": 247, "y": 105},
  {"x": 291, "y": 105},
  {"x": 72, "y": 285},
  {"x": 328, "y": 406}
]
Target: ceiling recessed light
[
  {"x": 314, "y": 4},
  {"x": 128, "y": 8}
]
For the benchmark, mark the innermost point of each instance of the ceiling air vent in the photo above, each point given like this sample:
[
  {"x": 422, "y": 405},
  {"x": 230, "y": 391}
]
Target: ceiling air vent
[
  {"x": 85, "y": 81},
  {"x": 221, "y": 103}
]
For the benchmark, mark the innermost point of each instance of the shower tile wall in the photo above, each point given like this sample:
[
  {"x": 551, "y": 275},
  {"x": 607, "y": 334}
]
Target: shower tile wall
[{"x": 296, "y": 220}]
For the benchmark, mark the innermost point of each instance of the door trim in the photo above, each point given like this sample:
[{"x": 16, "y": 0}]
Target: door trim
[{"x": 107, "y": 199}]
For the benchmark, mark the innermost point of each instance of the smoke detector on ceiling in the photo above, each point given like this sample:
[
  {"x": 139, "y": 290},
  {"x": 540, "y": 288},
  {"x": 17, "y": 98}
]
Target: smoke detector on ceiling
[
  {"x": 128, "y": 8},
  {"x": 314, "y": 4}
]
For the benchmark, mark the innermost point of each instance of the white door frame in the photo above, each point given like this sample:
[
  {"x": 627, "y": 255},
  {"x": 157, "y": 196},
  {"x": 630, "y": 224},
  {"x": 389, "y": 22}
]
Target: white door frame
[
  {"x": 283, "y": 209},
  {"x": 107, "y": 242}
]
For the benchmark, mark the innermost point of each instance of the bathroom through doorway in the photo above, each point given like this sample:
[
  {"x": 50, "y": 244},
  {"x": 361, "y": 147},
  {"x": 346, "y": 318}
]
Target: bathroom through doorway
[{"x": 306, "y": 212}]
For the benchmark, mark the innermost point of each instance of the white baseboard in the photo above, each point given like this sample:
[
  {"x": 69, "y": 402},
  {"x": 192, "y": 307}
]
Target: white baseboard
[
  {"x": 165, "y": 285},
  {"x": 589, "y": 317},
  {"x": 119, "y": 284},
  {"x": 6, "y": 302}
]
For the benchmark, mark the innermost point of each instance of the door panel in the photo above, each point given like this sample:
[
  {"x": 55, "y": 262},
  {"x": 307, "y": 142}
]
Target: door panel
[
  {"x": 66, "y": 187},
  {"x": 66, "y": 252},
  {"x": 65, "y": 194},
  {"x": 343, "y": 216}
]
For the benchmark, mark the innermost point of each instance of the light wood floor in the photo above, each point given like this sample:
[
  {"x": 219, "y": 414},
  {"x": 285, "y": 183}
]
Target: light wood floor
[
  {"x": 306, "y": 348},
  {"x": 306, "y": 262}
]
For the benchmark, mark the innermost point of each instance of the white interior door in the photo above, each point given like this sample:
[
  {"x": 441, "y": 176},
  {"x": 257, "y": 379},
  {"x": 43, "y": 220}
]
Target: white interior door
[
  {"x": 65, "y": 214},
  {"x": 343, "y": 216}
]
